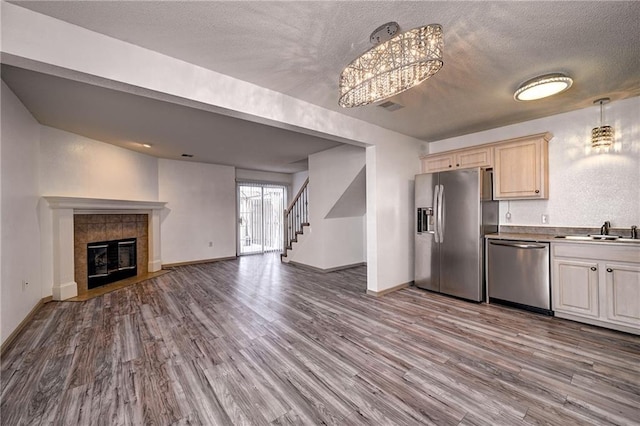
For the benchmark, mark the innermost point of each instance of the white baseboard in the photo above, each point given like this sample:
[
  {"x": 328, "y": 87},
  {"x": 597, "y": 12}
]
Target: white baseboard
[
  {"x": 65, "y": 291},
  {"x": 389, "y": 290},
  {"x": 154, "y": 265},
  {"x": 23, "y": 324},
  {"x": 197, "y": 262},
  {"x": 324, "y": 271}
]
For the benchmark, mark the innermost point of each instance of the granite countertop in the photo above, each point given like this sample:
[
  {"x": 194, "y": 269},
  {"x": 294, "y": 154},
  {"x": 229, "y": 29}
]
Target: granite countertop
[
  {"x": 541, "y": 238},
  {"x": 547, "y": 238}
]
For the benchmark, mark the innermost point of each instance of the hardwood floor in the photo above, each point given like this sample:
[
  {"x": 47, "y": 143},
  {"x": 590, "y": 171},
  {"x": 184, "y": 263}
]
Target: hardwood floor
[{"x": 256, "y": 342}]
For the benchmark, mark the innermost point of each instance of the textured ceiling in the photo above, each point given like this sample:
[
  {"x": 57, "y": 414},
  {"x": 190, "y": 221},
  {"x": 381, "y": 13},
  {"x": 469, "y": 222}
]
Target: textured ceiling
[{"x": 299, "y": 48}]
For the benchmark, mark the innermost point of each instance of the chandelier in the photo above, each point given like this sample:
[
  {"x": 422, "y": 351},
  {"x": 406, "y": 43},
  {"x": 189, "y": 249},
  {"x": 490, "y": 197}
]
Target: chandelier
[
  {"x": 397, "y": 63},
  {"x": 602, "y": 136}
]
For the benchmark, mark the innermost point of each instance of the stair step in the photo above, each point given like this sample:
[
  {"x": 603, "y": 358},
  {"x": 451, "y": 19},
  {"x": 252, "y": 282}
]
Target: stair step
[{"x": 294, "y": 240}]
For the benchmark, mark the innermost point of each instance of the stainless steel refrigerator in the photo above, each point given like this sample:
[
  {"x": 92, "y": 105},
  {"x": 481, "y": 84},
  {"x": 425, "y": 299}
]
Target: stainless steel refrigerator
[{"x": 454, "y": 210}]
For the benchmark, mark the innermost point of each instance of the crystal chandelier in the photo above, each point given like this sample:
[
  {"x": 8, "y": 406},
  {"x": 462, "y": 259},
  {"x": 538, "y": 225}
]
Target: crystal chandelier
[
  {"x": 602, "y": 136},
  {"x": 397, "y": 63}
]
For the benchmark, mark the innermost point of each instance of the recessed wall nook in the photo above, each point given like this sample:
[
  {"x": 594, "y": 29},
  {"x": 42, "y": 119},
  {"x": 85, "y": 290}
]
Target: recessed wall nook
[{"x": 72, "y": 225}]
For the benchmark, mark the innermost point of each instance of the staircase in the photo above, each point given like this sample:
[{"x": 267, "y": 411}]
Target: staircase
[{"x": 296, "y": 217}]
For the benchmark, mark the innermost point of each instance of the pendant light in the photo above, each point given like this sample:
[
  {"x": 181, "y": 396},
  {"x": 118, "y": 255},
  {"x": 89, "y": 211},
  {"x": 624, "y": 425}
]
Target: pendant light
[{"x": 602, "y": 136}]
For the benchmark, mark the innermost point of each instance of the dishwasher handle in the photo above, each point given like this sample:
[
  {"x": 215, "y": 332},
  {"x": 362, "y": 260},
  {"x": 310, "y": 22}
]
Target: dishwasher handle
[{"x": 518, "y": 245}]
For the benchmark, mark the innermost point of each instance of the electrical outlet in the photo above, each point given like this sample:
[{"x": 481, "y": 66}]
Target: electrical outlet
[{"x": 545, "y": 218}]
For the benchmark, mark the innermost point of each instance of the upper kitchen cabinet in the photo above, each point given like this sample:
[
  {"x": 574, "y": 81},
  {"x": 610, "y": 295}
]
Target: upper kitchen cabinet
[
  {"x": 437, "y": 163},
  {"x": 460, "y": 159},
  {"x": 521, "y": 168}
]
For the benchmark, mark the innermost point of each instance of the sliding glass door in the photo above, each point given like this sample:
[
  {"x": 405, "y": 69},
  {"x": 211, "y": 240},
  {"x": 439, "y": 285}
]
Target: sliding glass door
[{"x": 260, "y": 217}]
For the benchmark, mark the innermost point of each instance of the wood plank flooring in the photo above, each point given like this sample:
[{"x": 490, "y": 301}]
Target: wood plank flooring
[{"x": 256, "y": 342}]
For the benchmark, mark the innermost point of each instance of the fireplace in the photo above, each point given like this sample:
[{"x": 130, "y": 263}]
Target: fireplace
[
  {"x": 110, "y": 261},
  {"x": 68, "y": 224},
  {"x": 108, "y": 248}
]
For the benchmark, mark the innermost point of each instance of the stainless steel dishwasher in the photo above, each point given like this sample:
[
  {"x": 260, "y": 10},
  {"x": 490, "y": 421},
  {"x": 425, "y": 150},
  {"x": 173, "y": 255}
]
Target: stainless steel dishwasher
[{"x": 518, "y": 274}]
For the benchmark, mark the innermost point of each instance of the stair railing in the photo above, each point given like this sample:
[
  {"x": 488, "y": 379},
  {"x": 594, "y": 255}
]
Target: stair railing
[{"x": 296, "y": 216}]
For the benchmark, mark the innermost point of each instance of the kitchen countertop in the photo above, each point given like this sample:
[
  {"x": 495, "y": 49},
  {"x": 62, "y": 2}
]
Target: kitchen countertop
[
  {"x": 541, "y": 238},
  {"x": 544, "y": 238}
]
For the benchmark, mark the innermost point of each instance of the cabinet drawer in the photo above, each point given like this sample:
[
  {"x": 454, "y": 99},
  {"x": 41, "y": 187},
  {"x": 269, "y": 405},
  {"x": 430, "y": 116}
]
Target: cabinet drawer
[{"x": 596, "y": 251}]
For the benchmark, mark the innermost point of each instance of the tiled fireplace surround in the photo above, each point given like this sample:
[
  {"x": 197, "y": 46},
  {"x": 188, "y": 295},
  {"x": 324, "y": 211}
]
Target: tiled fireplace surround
[
  {"x": 91, "y": 228},
  {"x": 68, "y": 223}
]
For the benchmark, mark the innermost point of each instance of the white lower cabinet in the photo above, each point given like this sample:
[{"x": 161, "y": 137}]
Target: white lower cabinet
[
  {"x": 577, "y": 287},
  {"x": 597, "y": 283},
  {"x": 623, "y": 293}
]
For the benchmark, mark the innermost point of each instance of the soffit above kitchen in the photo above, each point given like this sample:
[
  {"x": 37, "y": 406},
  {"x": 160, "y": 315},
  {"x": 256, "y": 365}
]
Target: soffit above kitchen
[{"x": 300, "y": 48}]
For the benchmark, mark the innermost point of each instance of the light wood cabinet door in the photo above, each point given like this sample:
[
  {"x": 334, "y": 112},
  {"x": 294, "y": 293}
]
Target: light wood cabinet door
[
  {"x": 468, "y": 158},
  {"x": 437, "y": 163},
  {"x": 575, "y": 287},
  {"x": 623, "y": 293},
  {"x": 463, "y": 159},
  {"x": 521, "y": 169}
]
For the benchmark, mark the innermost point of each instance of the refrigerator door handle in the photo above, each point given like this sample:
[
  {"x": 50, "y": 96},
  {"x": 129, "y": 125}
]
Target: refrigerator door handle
[
  {"x": 435, "y": 212},
  {"x": 441, "y": 214}
]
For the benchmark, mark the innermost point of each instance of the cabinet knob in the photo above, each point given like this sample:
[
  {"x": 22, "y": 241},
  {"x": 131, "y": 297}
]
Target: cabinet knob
[
  {"x": 457, "y": 165},
  {"x": 449, "y": 165},
  {"x": 593, "y": 268},
  {"x": 609, "y": 270},
  {"x": 537, "y": 191}
]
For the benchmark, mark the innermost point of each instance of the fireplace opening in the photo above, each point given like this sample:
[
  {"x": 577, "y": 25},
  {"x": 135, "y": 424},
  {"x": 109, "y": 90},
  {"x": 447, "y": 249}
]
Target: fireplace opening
[{"x": 110, "y": 261}]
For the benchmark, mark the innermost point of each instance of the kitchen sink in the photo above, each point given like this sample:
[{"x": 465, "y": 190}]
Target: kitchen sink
[{"x": 598, "y": 237}]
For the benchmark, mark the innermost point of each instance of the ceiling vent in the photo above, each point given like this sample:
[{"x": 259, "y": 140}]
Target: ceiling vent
[{"x": 391, "y": 106}]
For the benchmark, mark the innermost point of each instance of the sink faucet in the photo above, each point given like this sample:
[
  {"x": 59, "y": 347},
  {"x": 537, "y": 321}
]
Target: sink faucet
[{"x": 604, "y": 229}]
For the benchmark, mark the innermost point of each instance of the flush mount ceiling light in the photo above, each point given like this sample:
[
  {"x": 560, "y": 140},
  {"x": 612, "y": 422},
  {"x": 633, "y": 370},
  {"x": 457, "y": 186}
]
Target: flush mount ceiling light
[
  {"x": 398, "y": 62},
  {"x": 542, "y": 86},
  {"x": 602, "y": 136}
]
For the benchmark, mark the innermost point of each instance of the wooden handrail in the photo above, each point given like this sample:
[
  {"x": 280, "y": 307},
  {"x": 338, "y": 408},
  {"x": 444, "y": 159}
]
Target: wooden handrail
[{"x": 293, "y": 202}]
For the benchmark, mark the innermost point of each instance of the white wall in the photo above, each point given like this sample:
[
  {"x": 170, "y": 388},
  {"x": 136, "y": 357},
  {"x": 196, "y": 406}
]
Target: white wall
[
  {"x": 391, "y": 170},
  {"x": 75, "y": 166},
  {"x": 334, "y": 242},
  {"x": 201, "y": 208},
  {"x": 20, "y": 242},
  {"x": 585, "y": 187}
]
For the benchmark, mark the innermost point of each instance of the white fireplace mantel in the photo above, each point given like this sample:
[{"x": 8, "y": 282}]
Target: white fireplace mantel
[
  {"x": 102, "y": 204},
  {"x": 56, "y": 222}
]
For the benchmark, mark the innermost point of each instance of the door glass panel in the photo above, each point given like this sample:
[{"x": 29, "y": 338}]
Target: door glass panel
[{"x": 260, "y": 218}]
